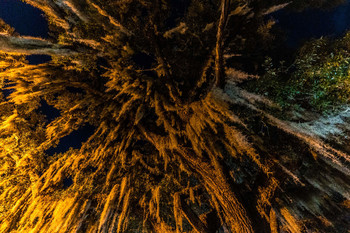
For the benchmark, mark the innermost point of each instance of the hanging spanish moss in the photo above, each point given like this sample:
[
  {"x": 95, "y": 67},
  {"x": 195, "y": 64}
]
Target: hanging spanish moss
[{"x": 175, "y": 144}]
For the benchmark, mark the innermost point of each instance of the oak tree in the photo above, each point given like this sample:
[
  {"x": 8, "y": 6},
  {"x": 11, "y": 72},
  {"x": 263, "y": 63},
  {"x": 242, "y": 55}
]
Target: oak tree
[{"x": 176, "y": 145}]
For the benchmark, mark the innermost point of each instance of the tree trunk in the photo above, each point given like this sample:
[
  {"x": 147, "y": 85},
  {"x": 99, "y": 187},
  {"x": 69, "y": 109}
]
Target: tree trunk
[{"x": 226, "y": 202}]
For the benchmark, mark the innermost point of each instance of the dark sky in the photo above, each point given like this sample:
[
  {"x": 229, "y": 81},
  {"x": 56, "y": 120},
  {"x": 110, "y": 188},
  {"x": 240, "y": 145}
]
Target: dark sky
[
  {"x": 341, "y": 18},
  {"x": 314, "y": 23},
  {"x": 26, "y": 19}
]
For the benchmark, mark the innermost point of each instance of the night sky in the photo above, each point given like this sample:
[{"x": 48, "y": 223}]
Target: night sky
[
  {"x": 313, "y": 23},
  {"x": 27, "y": 20}
]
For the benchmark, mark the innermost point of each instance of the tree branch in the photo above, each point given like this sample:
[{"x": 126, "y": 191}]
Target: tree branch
[
  {"x": 31, "y": 45},
  {"x": 219, "y": 59},
  {"x": 192, "y": 217},
  {"x": 111, "y": 19}
]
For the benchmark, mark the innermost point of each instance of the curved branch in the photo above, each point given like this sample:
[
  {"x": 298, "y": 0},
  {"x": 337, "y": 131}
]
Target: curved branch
[{"x": 111, "y": 19}]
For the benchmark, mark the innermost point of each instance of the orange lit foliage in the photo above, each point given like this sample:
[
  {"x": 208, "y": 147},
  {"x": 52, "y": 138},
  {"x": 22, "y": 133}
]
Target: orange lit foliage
[{"x": 171, "y": 152}]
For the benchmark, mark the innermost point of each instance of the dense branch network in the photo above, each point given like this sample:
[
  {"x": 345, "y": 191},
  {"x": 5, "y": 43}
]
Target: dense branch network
[{"x": 175, "y": 146}]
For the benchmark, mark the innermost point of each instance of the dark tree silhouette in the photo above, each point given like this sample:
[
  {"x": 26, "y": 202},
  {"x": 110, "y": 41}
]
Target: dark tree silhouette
[{"x": 176, "y": 146}]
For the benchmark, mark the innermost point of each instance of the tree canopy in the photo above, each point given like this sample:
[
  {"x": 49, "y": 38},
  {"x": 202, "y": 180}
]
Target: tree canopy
[{"x": 176, "y": 145}]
